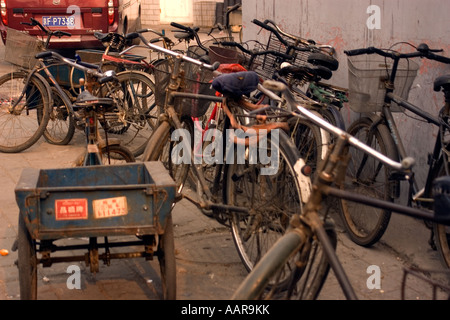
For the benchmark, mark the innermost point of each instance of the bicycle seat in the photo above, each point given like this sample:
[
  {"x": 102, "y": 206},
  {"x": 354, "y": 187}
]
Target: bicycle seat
[
  {"x": 442, "y": 82},
  {"x": 315, "y": 73},
  {"x": 237, "y": 84},
  {"x": 86, "y": 99}
]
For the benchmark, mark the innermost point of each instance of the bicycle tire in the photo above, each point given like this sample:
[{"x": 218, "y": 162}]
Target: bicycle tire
[
  {"x": 364, "y": 224},
  {"x": 111, "y": 155},
  {"x": 269, "y": 212},
  {"x": 160, "y": 148},
  {"x": 307, "y": 275},
  {"x": 441, "y": 233},
  {"x": 137, "y": 114},
  {"x": 116, "y": 154},
  {"x": 167, "y": 261},
  {"x": 27, "y": 262},
  {"x": 310, "y": 140},
  {"x": 22, "y": 130},
  {"x": 442, "y": 241},
  {"x": 61, "y": 124}
]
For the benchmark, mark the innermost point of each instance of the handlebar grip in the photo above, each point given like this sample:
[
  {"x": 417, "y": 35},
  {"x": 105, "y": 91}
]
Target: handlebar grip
[
  {"x": 269, "y": 28},
  {"x": 180, "y": 26},
  {"x": 229, "y": 43},
  {"x": 62, "y": 33},
  {"x": 262, "y": 25},
  {"x": 216, "y": 65},
  {"x": 132, "y": 35},
  {"x": 43, "y": 55},
  {"x": 439, "y": 58},
  {"x": 107, "y": 79},
  {"x": 88, "y": 65},
  {"x": 357, "y": 52}
]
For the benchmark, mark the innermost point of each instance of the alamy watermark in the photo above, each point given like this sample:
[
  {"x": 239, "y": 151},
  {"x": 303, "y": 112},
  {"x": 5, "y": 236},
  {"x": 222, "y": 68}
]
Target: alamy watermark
[
  {"x": 74, "y": 280},
  {"x": 374, "y": 280},
  {"x": 374, "y": 20}
]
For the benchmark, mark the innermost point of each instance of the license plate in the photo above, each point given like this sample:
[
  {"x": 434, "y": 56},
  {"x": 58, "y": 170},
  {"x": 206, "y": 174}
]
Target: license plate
[
  {"x": 110, "y": 208},
  {"x": 58, "y": 21}
]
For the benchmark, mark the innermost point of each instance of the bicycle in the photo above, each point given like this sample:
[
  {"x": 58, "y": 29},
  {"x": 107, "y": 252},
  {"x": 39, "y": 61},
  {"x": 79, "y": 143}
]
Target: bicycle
[
  {"x": 298, "y": 264},
  {"x": 92, "y": 110},
  {"x": 27, "y": 100},
  {"x": 247, "y": 194},
  {"x": 365, "y": 174},
  {"x": 136, "y": 116}
]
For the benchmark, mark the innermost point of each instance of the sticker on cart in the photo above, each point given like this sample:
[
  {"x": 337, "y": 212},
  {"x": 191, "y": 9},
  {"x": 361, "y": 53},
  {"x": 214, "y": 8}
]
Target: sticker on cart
[
  {"x": 71, "y": 209},
  {"x": 110, "y": 208}
]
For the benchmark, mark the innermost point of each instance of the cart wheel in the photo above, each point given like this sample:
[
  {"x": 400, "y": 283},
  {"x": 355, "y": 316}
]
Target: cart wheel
[
  {"x": 27, "y": 263},
  {"x": 166, "y": 258}
]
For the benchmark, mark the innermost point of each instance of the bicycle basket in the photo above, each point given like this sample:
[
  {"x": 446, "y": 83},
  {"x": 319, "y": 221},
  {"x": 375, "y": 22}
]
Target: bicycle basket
[
  {"x": 21, "y": 48},
  {"x": 441, "y": 192},
  {"x": 197, "y": 52},
  {"x": 366, "y": 77},
  {"x": 267, "y": 65},
  {"x": 196, "y": 80},
  {"x": 224, "y": 55}
]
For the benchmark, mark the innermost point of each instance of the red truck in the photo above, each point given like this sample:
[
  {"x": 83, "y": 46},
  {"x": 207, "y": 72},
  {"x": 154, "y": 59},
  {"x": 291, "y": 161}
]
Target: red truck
[{"x": 80, "y": 18}]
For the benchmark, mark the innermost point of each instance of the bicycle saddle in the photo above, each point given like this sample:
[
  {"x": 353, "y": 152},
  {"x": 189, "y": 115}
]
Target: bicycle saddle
[
  {"x": 443, "y": 82},
  {"x": 236, "y": 84},
  {"x": 86, "y": 99},
  {"x": 315, "y": 73}
]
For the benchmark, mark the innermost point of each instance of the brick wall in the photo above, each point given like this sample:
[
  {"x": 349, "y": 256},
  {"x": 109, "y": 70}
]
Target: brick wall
[{"x": 150, "y": 12}]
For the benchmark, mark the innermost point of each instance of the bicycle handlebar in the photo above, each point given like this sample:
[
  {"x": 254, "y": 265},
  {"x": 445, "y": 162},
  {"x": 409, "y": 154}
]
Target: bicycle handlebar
[
  {"x": 277, "y": 86},
  {"x": 152, "y": 46},
  {"x": 269, "y": 28},
  {"x": 255, "y": 53},
  {"x": 423, "y": 51},
  {"x": 57, "y": 33},
  {"x": 90, "y": 69}
]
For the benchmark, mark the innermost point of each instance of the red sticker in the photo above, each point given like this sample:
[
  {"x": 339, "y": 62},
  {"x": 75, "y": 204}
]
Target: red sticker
[{"x": 71, "y": 209}]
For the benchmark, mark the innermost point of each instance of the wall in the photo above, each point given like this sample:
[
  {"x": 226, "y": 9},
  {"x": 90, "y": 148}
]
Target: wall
[
  {"x": 204, "y": 12},
  {"x": 150, "y": 12},
  {"x": 343, "y": 24}
]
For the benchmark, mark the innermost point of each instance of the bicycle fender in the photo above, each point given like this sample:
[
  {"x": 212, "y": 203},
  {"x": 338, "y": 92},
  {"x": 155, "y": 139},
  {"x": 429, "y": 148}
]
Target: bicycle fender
[{"x": 304, "y": 181}]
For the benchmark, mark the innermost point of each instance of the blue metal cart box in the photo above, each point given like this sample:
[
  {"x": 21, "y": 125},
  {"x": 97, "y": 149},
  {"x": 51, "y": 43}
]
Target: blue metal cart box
[{"x": 96, "y": 201}]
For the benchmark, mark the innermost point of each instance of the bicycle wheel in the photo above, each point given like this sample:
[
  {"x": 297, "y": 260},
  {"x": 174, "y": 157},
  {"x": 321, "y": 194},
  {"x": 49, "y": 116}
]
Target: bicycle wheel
[
  {"x": 167, "y": 263},
  {"x": 111, "y": 155},
  {"x": 137, "y": 114},
  {"x": 307, "y": 270},
  {"x": 442, "y": 241},
  {"x": 272, "y": 197},
  {"x": 441, "y": 233},
  {"x": 208, "y": 153},
  {"x": 27, "y": 262},
  {"x": 22, "y": 127},
  {"x": 366, "y": 175},
  {"x": 173, "y": 154},
  {"x": 61, "y": 124},
  {"x": 310, "y": 140},
  {"x": 116, "y": 154}
]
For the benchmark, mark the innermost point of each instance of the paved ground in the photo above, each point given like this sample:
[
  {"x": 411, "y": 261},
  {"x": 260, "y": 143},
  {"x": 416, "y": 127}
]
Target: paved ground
[{"x": 208, "y": 267}]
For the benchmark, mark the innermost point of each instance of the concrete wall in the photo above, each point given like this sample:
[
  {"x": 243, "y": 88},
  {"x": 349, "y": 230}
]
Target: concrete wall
[{"x": 344, "y": 24}]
